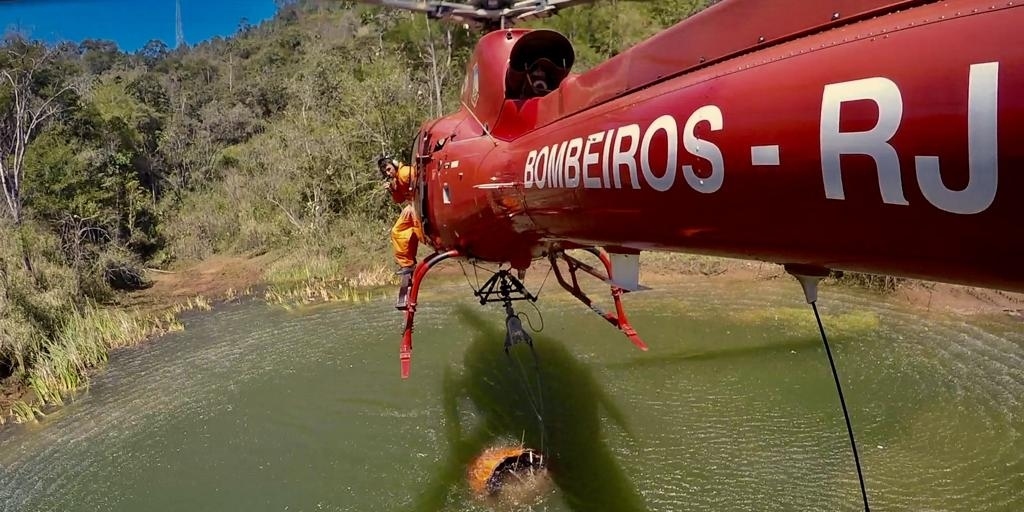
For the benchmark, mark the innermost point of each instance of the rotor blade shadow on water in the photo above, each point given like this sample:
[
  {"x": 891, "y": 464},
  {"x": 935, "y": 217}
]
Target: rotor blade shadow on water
[
  {"x": 719, "y": 353},
  {"x": 506, "y": 396}
]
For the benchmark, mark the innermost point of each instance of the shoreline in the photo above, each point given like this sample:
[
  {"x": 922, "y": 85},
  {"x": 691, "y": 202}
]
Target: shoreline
[
  {"x": 222, "y": 278},
  {"x": 196, "y": 287}
]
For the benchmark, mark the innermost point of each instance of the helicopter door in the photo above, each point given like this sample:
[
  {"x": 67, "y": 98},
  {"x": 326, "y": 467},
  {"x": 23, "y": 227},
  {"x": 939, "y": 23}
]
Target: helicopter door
[{"x": 421, "y": 204}]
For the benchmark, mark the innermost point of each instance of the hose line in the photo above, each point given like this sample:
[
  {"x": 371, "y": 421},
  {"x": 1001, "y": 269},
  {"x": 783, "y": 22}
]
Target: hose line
[{"x": 842, "y": 401}]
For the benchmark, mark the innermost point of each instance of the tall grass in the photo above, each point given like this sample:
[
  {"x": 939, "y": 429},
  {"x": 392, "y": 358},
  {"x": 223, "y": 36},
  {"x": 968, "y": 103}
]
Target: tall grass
[
  {"x": 51, "y": 335},
  {"x": 873, "y": 282},
  {"x": 346, "y": 263},
  {"x": 22, "y": 411},
  {"x": 318, "y": 278},
  {"x": 84, "y": 342}
]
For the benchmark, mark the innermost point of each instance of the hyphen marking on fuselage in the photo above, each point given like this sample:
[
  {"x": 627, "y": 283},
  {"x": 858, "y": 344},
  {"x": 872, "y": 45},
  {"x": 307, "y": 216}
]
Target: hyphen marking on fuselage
[{"x": 764, "y": 155}]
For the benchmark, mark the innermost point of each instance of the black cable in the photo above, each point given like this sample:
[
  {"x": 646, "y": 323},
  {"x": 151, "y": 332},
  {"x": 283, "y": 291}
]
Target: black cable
[
  {"x": 477, "y": 276},
  {"x": 471, "y": 287},
  {"x": 542, "y": 283},
  {"x": 538, "y": 405},
  {"x": 842, "y": 401},
  {"x": 529, "y": 321},
  {"x": 540, "y": 396}
]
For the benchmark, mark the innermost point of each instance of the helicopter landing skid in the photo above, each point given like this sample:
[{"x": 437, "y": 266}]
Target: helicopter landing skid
[
  {"x": 405, "y": 352},
  {"x": 618, "y": 318}
]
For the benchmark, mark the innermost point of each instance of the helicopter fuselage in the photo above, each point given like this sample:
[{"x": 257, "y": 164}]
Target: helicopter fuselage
[{"x": 883, "y": 139}]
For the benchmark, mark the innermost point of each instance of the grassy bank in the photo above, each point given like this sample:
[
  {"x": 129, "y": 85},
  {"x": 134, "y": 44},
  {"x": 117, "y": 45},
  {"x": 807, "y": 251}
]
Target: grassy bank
[
  {"x": 318, "y": 278},
  {"x": 50, "y": 344},
  {"x": 59, "y": 322},
  {"x": 54, "y": 325}
]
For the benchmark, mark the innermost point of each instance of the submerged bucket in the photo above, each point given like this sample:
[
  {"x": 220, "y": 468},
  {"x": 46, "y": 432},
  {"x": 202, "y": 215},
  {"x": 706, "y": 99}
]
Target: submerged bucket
[{"x": 500, "y": 466}]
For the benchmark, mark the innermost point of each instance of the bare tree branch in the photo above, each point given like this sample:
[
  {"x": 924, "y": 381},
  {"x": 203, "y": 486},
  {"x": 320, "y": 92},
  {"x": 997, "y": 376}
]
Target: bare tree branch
[
  {"x": 291, "y": 218},
  {"x": 28, "y": 112}
]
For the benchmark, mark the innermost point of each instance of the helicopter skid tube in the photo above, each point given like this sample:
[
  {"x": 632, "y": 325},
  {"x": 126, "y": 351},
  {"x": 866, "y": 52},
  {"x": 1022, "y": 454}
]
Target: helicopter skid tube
[
  {"x": 405, "y": 352},
  {"x": 617, "y": 319}
]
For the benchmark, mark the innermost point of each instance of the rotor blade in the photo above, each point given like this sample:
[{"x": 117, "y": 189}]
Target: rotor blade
[
  {"x": 541, "y": 5},
  {"x": 473, "y": 13},
  {"x": 527, "y": 9},
  {"x": 438, "y": 8}
]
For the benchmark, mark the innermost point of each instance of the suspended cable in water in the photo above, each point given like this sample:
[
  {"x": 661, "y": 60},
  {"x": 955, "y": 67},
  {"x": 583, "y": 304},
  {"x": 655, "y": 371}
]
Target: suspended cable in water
[
  {"x": 809, "y": 276},
  {"x": 842, "y": 402}
]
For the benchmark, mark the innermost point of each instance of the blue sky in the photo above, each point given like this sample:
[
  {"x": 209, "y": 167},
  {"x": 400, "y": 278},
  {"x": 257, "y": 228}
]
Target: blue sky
[{"x": 131, "y": 23}]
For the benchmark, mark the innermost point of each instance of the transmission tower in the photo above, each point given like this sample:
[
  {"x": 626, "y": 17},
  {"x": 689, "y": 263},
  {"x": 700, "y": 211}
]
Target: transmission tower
[{"x": 180, "y": 32}]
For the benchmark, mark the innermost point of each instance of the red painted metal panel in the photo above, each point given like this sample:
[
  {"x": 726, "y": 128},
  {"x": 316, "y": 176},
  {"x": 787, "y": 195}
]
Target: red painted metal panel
[
  {"x": 774, "y": 201},
  {"x": 726, "y": 29},
  {"x": 484, "y": 89}
]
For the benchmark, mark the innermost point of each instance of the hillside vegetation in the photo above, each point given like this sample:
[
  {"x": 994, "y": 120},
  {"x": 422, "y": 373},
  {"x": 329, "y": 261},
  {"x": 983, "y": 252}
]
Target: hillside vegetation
[{"x": 265, "y": 141}]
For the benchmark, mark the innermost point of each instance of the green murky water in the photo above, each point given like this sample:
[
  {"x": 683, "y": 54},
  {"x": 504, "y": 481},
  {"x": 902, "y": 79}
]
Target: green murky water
[{"x": 258, "y": 408}]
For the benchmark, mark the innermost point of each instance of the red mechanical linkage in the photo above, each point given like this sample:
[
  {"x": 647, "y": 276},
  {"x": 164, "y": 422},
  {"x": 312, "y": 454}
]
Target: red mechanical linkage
[
  {"x": 405, "y": 352},
  {"x": 618, "y": 319}
]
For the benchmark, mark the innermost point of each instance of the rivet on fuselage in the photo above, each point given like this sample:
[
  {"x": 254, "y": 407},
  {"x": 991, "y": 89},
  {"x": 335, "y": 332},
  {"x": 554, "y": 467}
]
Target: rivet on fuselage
[{"x": 835, "y": 16}]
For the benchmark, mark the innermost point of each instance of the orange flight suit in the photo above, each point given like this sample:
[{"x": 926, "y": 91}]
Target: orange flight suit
[{"x": 407, "y": 232}]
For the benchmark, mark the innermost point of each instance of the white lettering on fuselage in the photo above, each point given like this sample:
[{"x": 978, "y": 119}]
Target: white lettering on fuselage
[
  {"x": 622, "y": 157},
  {"x": 653, "y": 156},
  {"x": 982, "y": 150}
]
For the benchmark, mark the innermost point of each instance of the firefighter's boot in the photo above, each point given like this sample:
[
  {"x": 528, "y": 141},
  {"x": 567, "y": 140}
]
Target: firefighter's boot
[{"x": 403, "y": 288}]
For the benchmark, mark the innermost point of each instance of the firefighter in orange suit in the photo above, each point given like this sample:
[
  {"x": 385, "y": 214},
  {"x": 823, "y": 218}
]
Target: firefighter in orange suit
[{"x": 406, "y": 233}]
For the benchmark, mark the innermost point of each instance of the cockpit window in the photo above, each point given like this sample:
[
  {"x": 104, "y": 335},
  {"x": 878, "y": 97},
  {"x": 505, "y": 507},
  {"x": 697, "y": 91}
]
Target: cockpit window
[
  {"x": 538, "y": 63},
  {"x": 419, "y": 146}
]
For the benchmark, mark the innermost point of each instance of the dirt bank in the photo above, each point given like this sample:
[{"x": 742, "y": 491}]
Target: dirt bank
[
  {"x": 215, "y": 278},
  {"x": 223, "y": 276},
  {"x": 928, "y": 296}
]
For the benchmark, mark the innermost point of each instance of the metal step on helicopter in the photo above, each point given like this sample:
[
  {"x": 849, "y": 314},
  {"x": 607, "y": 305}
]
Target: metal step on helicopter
[{"x": 880, "y": 136}]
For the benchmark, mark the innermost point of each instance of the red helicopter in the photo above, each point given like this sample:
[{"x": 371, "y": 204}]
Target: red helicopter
[{"x": 881, "y": 136}]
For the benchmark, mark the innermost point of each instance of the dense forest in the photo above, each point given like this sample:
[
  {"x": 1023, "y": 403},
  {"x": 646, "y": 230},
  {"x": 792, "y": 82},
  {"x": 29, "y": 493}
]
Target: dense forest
[{"x": 115, "y": 162}]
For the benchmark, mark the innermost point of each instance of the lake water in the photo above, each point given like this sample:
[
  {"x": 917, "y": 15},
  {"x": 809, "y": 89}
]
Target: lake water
[{"x": 255, "y": 407}]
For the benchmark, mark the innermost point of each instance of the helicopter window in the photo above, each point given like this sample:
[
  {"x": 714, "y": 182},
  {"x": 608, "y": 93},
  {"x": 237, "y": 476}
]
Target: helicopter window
[
  {"x": 542, "y": 77},
  {"x": 538, "y": 63},
  {"x": 417, "y": 146}
]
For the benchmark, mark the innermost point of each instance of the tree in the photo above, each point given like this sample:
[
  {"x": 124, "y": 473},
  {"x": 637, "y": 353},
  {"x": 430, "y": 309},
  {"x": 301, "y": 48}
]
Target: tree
[
  {"x": 153, "y": 52},
  {"x": 99, "y": 55},
  {"x": 29, "y": 97},
  {"x": 440, "y": 65},
  {"x": 243, "y": 27}
]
